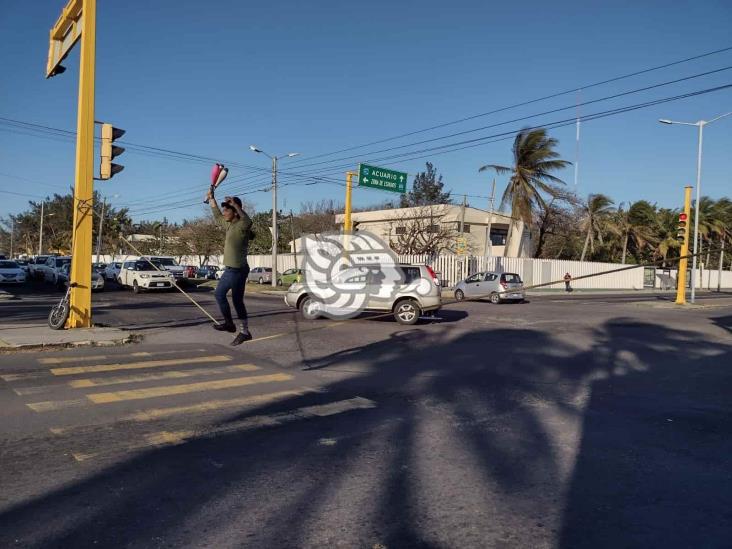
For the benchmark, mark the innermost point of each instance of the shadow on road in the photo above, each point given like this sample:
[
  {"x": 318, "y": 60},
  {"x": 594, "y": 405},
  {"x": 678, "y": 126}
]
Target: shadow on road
[{"x": 496, "y": 437}]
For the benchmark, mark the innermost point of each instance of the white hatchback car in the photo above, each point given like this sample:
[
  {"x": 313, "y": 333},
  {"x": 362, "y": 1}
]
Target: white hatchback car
[
  {"x": 11, "y": 272},
  {"x": 140, "y": 275}
]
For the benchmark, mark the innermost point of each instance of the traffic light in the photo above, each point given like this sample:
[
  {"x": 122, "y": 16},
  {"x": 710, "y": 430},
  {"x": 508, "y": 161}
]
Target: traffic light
[
  {"x": 109, "y": 151},
  {"x": 681, "y": 229}
]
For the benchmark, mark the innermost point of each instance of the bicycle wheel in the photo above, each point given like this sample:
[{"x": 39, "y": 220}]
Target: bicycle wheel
[{"x": 58, "y": 315}]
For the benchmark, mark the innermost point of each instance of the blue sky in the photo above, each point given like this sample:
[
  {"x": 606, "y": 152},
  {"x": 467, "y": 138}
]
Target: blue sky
[{"x": 212, "y": 78}]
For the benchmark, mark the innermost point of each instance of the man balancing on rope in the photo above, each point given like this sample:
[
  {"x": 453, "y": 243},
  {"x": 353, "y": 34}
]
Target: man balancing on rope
[{"x": 238, "y": 231}]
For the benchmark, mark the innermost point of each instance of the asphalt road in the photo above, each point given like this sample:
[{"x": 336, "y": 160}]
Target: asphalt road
[{"x": 569, "y": 421}]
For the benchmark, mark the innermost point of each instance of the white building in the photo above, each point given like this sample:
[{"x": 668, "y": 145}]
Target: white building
[{"x": 389, "y": 224}]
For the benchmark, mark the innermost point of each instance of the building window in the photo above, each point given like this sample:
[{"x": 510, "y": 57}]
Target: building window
[
  {"x": 434, "y": 229},
  {"x": 400, "y": 230},
  {"x": 498, "y": 236},
  {"x": 466, "y": 227}
]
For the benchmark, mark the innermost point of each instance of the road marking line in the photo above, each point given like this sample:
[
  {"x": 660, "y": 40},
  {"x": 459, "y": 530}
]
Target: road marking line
[
  {"x": 273, "y": 336},
  {"x": 138, "y": 365},
  {"x": 67, "y": 359},
  {"x": 152, "y": 376},
  {"x": 35, "y": 390},
  {"x": 160, "y": 413},
  {"x": 152, "y": 392},
  {"x": 162, "y": 439},
  {"x": 28, "y": 375},
  {"x": 51, "y": 405}
]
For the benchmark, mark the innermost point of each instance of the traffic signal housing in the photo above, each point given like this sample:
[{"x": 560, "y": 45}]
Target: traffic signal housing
[
  {"x": 682, "y": 228},
  {"x": 109, "y": 151}
]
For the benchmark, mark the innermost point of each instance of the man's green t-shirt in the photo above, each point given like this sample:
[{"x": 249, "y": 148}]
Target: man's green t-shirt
[{"x": 236, "y": 245}]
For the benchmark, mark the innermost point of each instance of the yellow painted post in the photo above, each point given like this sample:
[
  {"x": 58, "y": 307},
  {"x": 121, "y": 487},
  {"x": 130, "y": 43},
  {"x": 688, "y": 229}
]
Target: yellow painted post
[
  {"x": 683, "y": 263},
  {"x": 81, "y": 244},
  {"x": 347, "y": 223}
]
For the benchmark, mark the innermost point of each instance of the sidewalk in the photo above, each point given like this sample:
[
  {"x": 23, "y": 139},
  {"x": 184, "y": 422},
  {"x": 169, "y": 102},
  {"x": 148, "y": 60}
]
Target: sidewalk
[{"x": 15, "y": 337}]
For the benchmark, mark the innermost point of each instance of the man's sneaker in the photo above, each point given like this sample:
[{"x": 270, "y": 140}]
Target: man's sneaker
[
  {"x": 241, "y": 337},
  {"x": 225, "y": 327}
]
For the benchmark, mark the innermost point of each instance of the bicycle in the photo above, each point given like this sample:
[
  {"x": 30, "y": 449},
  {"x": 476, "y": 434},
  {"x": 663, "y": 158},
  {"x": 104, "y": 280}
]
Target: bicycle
[{"x": 60, "y": 313}]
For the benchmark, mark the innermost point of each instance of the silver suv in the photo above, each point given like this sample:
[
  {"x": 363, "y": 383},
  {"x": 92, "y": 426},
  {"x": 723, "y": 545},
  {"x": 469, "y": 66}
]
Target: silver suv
[
  {"x": 417, "y": 292},
  {"x": 497, "y": 287}
]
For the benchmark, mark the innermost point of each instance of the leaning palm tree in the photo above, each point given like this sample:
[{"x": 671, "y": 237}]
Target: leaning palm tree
[
  {"x": 596, "y": 212},
  {"x": 634, "y": 225},
  {"x": 534, "y": 158}
]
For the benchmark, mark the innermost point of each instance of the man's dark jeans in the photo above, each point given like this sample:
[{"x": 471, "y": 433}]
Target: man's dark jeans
[{"x": 234, "y": 280}]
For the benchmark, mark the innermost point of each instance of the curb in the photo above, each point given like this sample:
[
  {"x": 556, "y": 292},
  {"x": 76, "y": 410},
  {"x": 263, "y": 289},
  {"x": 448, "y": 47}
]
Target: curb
[{"x": 6, "y": 348}]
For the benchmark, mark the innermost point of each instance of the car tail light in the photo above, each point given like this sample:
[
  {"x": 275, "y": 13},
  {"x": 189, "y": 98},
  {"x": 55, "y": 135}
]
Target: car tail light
[
  {"x": 504, "y": 284},
  {"x": 433, "y": 275}
]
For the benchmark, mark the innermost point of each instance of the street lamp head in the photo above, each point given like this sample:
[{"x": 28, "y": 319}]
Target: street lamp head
[
  {"x": 290, "y": 155},
  {"x": 255, "y": 149},
  {"x": 665, "y": 121}
]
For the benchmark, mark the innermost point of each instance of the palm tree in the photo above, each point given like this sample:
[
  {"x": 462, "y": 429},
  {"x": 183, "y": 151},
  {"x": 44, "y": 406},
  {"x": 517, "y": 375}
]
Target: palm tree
[
  {"x": 534, "y": 158},
  {"x": 666, "y": 229},
  {"x": 596, "y": 211},
  {"x": 634, "y": 225}
]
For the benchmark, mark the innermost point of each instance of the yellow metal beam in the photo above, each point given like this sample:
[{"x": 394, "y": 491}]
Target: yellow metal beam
[
  {"x": 347, "y": 224},
  {"x": 81, "y": 245},
  {"x": 64, "y": 34}
]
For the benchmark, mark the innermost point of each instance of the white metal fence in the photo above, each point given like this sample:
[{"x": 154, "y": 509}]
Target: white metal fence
[{"x": 452, "y": 268}]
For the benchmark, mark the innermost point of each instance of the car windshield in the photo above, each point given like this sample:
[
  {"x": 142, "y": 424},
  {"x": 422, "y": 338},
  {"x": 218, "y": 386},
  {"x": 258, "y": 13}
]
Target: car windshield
[
  {"x": 63, "y": 261},
  {"x": 8, "y": 265},
  {"x": 166, "y": 261},
  {"x": 145, "y": 265}
]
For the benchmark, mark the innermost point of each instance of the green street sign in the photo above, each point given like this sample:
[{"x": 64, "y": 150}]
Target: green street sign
[{"x": 381, "y": 178}]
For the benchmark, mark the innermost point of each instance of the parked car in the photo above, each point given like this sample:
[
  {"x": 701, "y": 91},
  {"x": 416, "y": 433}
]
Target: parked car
[
  {"x": 207, "y": 271},
  {"x": 168, "y": 263},
  {"x": 290, "y": 276},
  {"x": 404, "y": 301},
  {"x": 23, "y": 264},
  {"x": 53, "y": 267},
  {"x": 99, "y": 267},
  {"x": 139, "y": 275},
  {"x": 497, "y": 287},
  {"x": 189, "y": 271},
  {"x": 111, "y": 271},
  {"x": 260, "y": 275},
  {"x": 97, "y": 282},
  {"x": 37, "y": 265},
  {"x": 11, "y": 272}
]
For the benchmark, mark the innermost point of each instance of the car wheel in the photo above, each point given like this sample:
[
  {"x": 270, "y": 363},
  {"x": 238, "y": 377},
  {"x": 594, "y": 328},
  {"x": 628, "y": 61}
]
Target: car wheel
[
  {"x": 310, "y": 308},
  {"x": 261, "y": 280},
  {"x": 495, "y": 298},
  {"x": 459, "y": 295},
  {"x": 135, "y": 287},
  {"x": 279, "y": 282},
  {"x": 407, "y": 312}
]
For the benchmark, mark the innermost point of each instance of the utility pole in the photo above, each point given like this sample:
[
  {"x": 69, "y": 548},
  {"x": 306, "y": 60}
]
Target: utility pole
[
  {"x": 292, "y": 230},
  {"x": 488, "y": 241},
  {"x": 274, "y": 222},
  {"x": 721, "y": 260},
  {"x": 12, "y": 234},
  {"x": 462, "y": 215},
  {"x": 99, "y": 235},
  {"x": 40, "y": 234}
]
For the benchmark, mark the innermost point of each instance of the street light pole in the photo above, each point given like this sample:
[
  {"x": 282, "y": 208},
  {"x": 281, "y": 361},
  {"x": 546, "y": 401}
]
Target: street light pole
[
  {"x": 40, "y": 234},
  {"x": 700, "y": 124},
  {"x": 274, "y": 207},
  {"x": 99, "y": 235}
]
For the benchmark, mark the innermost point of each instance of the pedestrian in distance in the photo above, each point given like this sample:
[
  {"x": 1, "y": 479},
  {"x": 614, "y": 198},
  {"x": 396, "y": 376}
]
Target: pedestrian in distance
[
  {"x": 236, "y": 268},
  {"x": 567, "y": 281}
]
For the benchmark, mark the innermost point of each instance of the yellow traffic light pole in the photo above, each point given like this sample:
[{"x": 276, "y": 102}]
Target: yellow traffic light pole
[
  {"x": 683, "y": 263},
  {"x": 347, "y": 223},
  {"x": 78, "y": 20}
]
